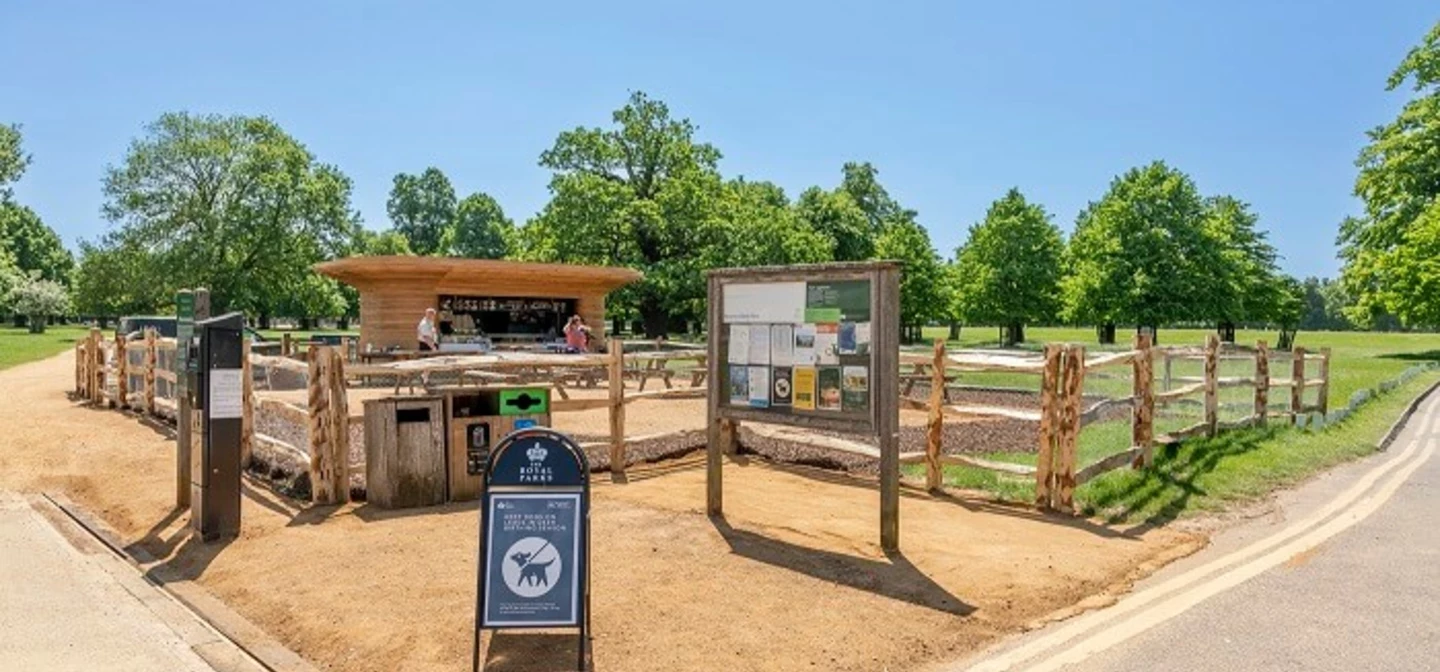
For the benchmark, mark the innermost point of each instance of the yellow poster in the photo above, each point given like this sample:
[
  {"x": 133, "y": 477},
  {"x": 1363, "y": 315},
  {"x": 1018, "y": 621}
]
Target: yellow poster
[{"x": 804, "y": 384}]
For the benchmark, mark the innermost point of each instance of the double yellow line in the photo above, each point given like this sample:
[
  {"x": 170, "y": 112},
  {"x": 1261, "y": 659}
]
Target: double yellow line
[{"x": 1157, "y": 604}]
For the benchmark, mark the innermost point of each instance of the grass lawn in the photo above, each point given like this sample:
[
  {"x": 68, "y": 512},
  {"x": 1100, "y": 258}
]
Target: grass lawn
[
  {"x": 18, "y": 346},
  {"x": 1204, "y": 475}
]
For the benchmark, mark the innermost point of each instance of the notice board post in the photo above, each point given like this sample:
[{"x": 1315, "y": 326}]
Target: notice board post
[
  {"x": 813, "y": 346},
  {"x": 190, "y": 307}
]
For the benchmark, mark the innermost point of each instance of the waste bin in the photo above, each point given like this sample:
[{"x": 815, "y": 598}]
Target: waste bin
[
  {"x": 478, "y": 418},
  {"x": 405, "y": 451}
]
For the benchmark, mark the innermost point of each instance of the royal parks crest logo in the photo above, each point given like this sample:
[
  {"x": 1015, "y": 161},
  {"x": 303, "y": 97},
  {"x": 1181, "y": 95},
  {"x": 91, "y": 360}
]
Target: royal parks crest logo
[{"x": 537, "y": 471}]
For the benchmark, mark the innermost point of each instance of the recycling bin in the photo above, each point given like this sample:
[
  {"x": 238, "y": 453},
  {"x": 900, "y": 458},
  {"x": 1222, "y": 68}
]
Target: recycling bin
[{"x": 478, "y": 417}]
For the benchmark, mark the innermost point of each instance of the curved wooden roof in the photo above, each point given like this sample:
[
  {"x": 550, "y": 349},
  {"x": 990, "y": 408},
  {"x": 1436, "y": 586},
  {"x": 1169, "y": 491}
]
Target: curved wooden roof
[{"x": 361, "y": 272}]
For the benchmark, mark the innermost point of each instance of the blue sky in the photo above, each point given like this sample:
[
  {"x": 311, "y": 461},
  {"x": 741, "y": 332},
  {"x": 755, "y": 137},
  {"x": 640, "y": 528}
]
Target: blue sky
[{"x": 954, "y": 102}]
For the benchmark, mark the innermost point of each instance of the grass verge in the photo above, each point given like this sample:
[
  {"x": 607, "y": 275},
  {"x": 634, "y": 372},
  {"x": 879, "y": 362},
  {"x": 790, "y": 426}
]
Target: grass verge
[
  {"x": 1203, "y": 475},
  {"x": 18, "y": 346}
]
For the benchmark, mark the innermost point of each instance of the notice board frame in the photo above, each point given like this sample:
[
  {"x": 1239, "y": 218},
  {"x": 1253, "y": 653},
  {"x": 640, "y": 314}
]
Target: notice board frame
[{"x": 883, "y": 420}]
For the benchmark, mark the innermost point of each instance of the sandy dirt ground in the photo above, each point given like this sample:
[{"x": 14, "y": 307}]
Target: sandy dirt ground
[{"x": 791, "y": 579}]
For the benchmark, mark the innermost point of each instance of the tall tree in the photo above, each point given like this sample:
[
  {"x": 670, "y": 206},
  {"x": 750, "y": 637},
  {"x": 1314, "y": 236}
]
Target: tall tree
[
  {"x": 1389, "y": 251},
  {"x": 422, "y": 208},
  {"x": 1008, "y": 271},
  {"x": 33, "y": 246},
  {"x": 924, "y": 289},
  {"x": 112, "y": 279},
  {"x": 644, "y": 194},
  {"x": 1246, "y": 274},
  {"x": 1139, "y": 255},
  {"x": 862, "y": 182},
  {"x": 233, "y": 204},
  {"x": 481, "y": 229},
  {"x": 836, "y": 215},
  {"x": 13, "y": 159}
]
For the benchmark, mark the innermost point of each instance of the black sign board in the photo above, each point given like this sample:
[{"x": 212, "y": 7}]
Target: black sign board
[{"x": 535, "y": 537}]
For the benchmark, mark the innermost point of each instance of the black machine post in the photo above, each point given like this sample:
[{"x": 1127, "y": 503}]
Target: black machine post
[
  {"x": 535, "y": 516},
  {"x": 216, "y": 393}
]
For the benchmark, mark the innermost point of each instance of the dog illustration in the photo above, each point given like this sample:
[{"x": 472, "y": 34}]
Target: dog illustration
[{"x": 534, "y": 572}]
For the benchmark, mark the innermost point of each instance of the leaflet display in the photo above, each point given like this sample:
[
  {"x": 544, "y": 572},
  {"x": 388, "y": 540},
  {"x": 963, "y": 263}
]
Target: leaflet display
[{"x": 799, "y": 347}]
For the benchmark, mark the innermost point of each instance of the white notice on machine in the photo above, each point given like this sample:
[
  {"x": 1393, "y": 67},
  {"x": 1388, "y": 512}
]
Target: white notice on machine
[{"x": 226, "y": 393}]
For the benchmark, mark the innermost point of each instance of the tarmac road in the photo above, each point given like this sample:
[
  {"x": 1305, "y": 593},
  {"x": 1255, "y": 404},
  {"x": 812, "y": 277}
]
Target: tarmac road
[{"x": 1344, "y": 576}]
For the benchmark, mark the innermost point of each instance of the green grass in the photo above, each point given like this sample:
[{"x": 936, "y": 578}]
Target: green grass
[
  {"x": 18, "y": 346},
  {"x": 302, "y": 336}
]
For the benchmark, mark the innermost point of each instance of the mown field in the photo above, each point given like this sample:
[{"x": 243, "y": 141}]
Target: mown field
[
  {"x": 18, "y": 346},
  {"x": 1204, "y": 475}
]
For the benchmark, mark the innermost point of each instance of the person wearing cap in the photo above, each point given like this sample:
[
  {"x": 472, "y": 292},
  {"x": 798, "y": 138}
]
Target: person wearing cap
[{"x": 425, "y": 332}]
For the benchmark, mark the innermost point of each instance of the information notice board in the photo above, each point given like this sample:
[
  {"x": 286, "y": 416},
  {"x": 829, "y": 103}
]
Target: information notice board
[{"x": 797, "y": 346}]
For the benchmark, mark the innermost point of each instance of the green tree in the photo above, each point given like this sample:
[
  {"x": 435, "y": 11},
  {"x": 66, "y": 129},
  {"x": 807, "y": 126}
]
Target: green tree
[
  {"x": 13, "y": 159},
  {"x": 1289, "y": 310},
  {"x": 1139, "y": 255},
  {"x": 644, "y": 194},
  {"x": 422, "y": 208},
  {"x": 1008, "y": 271},
  {"x": 836, "y": 215},
  {"x": 32, "y": 245},
  {"x": 925, "y": 293},
  {"x": 862, "y": 182},
  {"x": 233, "y": 204},
  {"x": 1244, "y": 270},
  {"x": 10, "y": 278},
  {"x": 39, "y": 300},
  {"x": 112, "y": 279},
  {"x": 382, "y": 244},
  {"x": 1389, "y": 251},
  {"x": 481, "y": 229}
]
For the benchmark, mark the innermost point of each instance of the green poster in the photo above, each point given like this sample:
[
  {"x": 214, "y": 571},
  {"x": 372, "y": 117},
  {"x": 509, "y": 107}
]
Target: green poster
[{"x": 844, "y": 300}]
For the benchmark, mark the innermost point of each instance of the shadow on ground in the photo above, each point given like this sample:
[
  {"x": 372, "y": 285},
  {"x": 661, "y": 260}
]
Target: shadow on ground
[{"x": 897, "y": 579}]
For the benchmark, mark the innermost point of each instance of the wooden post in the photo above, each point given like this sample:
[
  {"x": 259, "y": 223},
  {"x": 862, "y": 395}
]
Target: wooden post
[
  {"x": 97, "y": 372},
  {"x": 716, "y": 439},
  {"x": 1049, "y": 424},
  {"x": 1212, "y": 401},
  {"x": 321, "y": 477},
  {"x": 885, "y": 399},
  {"x": 79, "y": 352},
  {"x": 339, "y": 430},
  {"x": 247, "y": 405},
  {"x": 1324, "y": 391},
  {"x": 152, "y": 356},
  {"x": 1166, "y": 355},
  {"x": 1073, "y": 394},
  {"x": 122, "y": 369},
  {"x": 935, "y": 430},
  {"x": 1297, "y": 387},
  {"x": 1262, "y": 383},
  {"x": 1142, "y": 425},
  {"x": 616, "y": 366},
  {"x": 286, "y": 347}
]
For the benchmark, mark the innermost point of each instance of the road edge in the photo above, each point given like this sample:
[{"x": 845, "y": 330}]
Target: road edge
[
  {"x": 1399, "y": 424},
  {"x": 264, "y": 649}
]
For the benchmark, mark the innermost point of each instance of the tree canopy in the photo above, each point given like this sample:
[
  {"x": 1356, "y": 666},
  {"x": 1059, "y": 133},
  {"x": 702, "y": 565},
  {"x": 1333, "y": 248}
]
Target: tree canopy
[
  {"x": 13, "y": 159},
  {"x": 1139, "y": 255},
  {"x": 1246, "y": 276},
  {"x": 233, "y": 204},
  {"x": 924, "y": 284},
  {"x": 422, "y": 208},
  {"x": 1008, "y": 271},
  {"x": 1390, "y": 250}
]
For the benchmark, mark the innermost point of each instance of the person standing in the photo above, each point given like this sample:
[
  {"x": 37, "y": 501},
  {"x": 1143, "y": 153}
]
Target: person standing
[{"x": 426, "y": 333}]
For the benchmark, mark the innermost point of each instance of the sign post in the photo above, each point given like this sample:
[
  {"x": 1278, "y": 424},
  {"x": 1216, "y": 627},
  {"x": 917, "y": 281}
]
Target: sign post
[
  {"x": 534, "y": 568},
  {"x": 813, "y": 346},
  {"x": 190, "y": 307}
]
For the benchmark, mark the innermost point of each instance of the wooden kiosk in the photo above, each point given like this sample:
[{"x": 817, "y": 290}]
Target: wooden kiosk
[
  {"x": 813, "y": 346},
  {"x": 500, "y": 301}
]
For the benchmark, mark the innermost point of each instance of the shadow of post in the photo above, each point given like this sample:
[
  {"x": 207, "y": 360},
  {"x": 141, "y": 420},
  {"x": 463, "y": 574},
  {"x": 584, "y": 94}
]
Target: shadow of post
[
  {"x": 509, "y": 651},
  {"x": 897, "y": 579}
]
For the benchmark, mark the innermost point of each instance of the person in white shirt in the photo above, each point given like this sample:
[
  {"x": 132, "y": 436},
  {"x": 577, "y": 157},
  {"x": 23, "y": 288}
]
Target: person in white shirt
[{"x": 426, "y": 333}]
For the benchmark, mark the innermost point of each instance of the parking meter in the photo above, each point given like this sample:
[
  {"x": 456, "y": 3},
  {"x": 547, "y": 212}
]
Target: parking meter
[{"x": 217, "y": 395}]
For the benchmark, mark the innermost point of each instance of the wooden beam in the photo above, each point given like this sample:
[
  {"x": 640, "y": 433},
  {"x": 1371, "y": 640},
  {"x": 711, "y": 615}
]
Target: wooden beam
[
  {"x": 339, "y": 425},
  {"x": 1324, "y": 394},
  {"x": 152, "y": 357},
  {"x": 320, "y": 476},
  {"x": 992, "y": 412},
  {"x": 616, "y": 367},
  {"x": 122, "y": 373},
  {"x": 1074, "y": 390},
  {"x": 1297, "y": 380},
  {"x": 981, "y": 463},
  {"x": 935, "y": 422},
  {"x": 1142, "y": 422},
  {"x": 1095, "y": 411},
  {"x": 571, "y": 405},
  {"x": 1262, "y": 382},
  {"x": 247, "y": 405},
  {"x": 1049, "y": 425},
  {"x": 1132, "y": 455},
  {"x": 675, "y": 393},
  {"x": 1111, "y": 359},
  {"x": 1212, "y": 410}
]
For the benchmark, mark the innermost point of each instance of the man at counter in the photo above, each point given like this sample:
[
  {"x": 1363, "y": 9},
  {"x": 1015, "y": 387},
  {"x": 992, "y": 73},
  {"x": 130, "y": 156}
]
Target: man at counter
[{"x": 426, "y": 333}]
